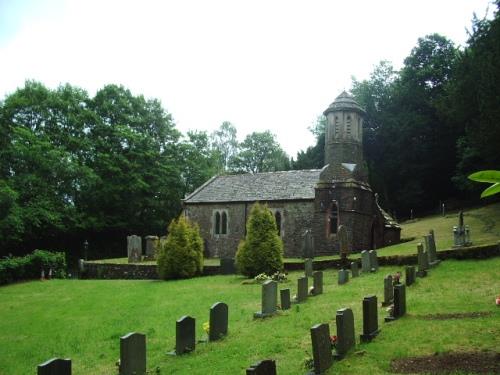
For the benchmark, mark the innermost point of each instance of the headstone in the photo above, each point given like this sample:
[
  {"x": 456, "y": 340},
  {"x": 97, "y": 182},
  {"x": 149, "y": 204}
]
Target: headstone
[
  {"x": 433, "y": 259},
  {"x": 218, "y": 321},
  {"x": 322, "y": 348},
  {"x": 426, "y": 260},
  {"x": 302, "y": 289},
  {"x": 370, "y": 318},
  {"x": 343, "y": 277},
  {"x": 55, "y": 366},
  {"x": 343, "y": 238},
  {"x": 133, "y": 354},
  {"x": 373, "y": 260},
  {"x": 459, "y": 233},
  {"x": 399, "y": 303},
  {"x": 151, "y": 243},
  {"x": 345, "y": 331},
  {"x": 308, "y": 267},
  {"x": 185, "y": 335},
  {"x": 467, "y": 236},
  {"x": 318, "y": 282},
  {"x": 227, "y": 266},
  {"x": 81, "y": 266},
  {"x": 354, "y": 269},
  {"x": 410, "y": 275},
  {"x": 269, "y": 299},
  {"x": 285, "y": 299},
  {"x": 267, "y": 367},
  {"x": 365, "y": 261},
  {"x": 134, "y": 248},
  {"x": 308, "y": 245},
  {"x": 422, "y": 271},
  {"x": 388, "y": 291}
]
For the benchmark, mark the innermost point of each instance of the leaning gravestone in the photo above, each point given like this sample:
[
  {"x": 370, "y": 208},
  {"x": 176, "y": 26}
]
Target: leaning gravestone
[
  {"x": 302, "y": 289},
  {"x": 322, "y": 348},
  {"x": 354, "y": 269},
  {"x": 55, "y": 366},
  {"x": 269, "y": 299},
  {"x": 410, "y": 275},
  {"x": 134, "y": 248},
  {"x": 399, "y": 303},
  {"x": 373, "y": 260},
  {"x": 308, "y": 245},
  {"x": 308, "y": 267},
  {"x": 345, "y": 331},
  {"x": 343, "y": 277},
  {"x": 365, "y": 261},
  {"x": 370, "y": 318},
  {"x": 318, "y": 282},
  {"x": 218, "y": 321},
  {"x": 133, "y": 354},
  {"x": 267, "y": 367},
  {"x": 151, "y": 243},
  {"x": 422, "y": 271},
  {"x": 285, "y": 299},
  {"x": 388, "y": 291},
  {"x": 227, "y": 266},
  {"x": 185, "y": 335}
]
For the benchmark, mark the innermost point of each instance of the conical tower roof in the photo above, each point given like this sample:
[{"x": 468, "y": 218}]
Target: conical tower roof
[{"x": 344, "y": 102}]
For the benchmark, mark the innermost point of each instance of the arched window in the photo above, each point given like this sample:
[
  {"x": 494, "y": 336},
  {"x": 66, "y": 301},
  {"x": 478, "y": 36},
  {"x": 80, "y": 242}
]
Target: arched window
[
  {"x": 277, "y": 217},
  {"x": 217, "y": 223},
  {"x": 224, "y": 223},
  {"x": 333, "y": 218}
]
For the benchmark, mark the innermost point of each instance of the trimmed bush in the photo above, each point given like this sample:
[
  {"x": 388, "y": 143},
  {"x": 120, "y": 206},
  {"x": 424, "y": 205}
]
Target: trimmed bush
[
  {"x": 262, "y": 249},
  {"x": 31, "y": 265},
  {"x": 181, "y": 254}
]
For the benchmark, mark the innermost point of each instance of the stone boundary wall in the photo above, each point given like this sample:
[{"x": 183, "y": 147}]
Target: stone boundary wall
[{"x": 148, "y": 272}]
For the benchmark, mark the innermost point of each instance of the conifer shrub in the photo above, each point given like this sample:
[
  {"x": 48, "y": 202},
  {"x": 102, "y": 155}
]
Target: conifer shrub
[
  {"x": 262, "y": 249},
  {"x": 181, "y": 254}
]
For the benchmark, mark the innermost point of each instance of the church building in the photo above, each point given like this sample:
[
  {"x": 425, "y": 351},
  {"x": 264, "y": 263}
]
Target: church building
[{"x": 319, "y": 200}]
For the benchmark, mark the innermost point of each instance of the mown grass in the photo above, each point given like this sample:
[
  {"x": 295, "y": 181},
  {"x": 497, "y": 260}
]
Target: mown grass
[{"x": 83, "y": 320}]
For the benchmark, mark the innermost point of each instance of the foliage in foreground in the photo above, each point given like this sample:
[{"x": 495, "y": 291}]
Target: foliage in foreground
[
  {"x": 488, "y": 176},
  {"x": 262, "y": 249},
  {"x": 181, "y": 254}
]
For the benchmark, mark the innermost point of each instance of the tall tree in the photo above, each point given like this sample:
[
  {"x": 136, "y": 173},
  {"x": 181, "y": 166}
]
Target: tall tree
[{"x": 225, "y": 144}]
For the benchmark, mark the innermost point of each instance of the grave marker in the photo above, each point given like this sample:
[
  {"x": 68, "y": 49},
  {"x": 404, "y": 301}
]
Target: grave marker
[
  {"x": 318, "y": 282},
  {"x": 151, "y": 243},
  {"x": 269, "y": 299},
  {"x": 227, "y": 266},
  {"x": 55, "y": 366},
  {"x": 410, "y": 275},
  {"x": 285, "y": 299},
  {"x": 302, "y": 289},
  {"x": 218, "y": 321},
  {"x": 322, "y": 348},
  {"x": 345, "y": 331},
  {"x": 134, "y": 248},
  {"x": 266, "y": 367},
  {"x": 354, "y": 269},
  {"x": 343, "y": 277},
  {"x": 365, "y": 261},
  {"x": 370, "y": 318},
  {"x": 388, "y": 291},
  {"x": 422, "y": 271},
  {"x": 399, "y": 303},
  {"x": 373, "y": 260},
  {"x": 185, "y": 335},
  {"x": 133, "y": 354}
]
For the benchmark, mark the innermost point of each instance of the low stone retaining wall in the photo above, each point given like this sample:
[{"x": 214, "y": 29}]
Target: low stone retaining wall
[{"x": 148, "y": 271}]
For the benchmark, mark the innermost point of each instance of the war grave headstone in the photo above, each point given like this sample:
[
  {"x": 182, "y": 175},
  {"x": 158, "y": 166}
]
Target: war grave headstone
[
  {"x": 133, "y": 354},
  {"x": 399, "y": 303},
  {"x": 343, "y": 239},
  {"x": 227, "y": 266},
  {"x": 185, "y": 335},
  {"x": 301, "y": 289},
  {"x": 318, "y": 282},
  {"x": 388, "y": 291},
  {"x": 373, "y": 260},
  {"x": 422, "y": 271},
  {"x": 134, "y": 248},
  {"x": 370, "y": 318},
  {"x": 321, "y": 347},
  {"x": 151, "y": 243},
  {"x": 308, "y": 267},
  {"x": 410, "y": 275},
  {"x": 308, "y": 245},
  {"x": 269, "y": 299},
  {"x": 55, "y": 366},
  {"x": 365, "y": 261},
  {"x": 354, "y": 269},
  {"x": 219, "y": 313},
  {"x": 343, "y": 276},
  {"x": 285, "y": 299},
  {"x": 266, "y": 367},
  {"x": 345, "y": 332}
]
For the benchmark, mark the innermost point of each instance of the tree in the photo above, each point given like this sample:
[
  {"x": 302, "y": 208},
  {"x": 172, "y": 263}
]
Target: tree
[
  {"x": 225, "y": 144},
  {"x": 262, "y": 249},
  {"x": 314, "y": 156}
]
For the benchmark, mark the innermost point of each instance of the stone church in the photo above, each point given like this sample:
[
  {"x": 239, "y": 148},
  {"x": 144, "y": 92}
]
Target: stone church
[{"x": 319, "y": 200}]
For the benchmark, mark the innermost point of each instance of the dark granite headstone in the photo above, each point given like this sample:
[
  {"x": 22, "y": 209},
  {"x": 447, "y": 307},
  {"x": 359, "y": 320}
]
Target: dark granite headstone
[
  {"x": 422, "y": 271},
  {"x": 345, "y": 331},
  {"x": 227, "y": 266},
  {"x": 370, "y": 318},
  {"x": 410, "y": 275},
  {"x": 133, "y": 354},
  {"x": 388, "y": 291},
  {"x": 373, "y": 260},
  {"x": 55, "y": 366},
  {"x": 269, "y": 299},
  {"x": 185, "y": 335},
  {"x": 267, "y": 367},
  {"x": 219, "y": 313},
  {"x": 308, "y": 245},
  {"x": 322, "y": 348},
  {"x": 285, "y": 299},
  {"x": 318, "y": 282},
  {"x": 302, "y": 289},
  {"x": 354, "y": 269},
  {"x": 399, "y": 303},
  {"x": 308, "y": 267},
  {"x": 365, "y": 261},
  {"x": 343, "y": 277}
]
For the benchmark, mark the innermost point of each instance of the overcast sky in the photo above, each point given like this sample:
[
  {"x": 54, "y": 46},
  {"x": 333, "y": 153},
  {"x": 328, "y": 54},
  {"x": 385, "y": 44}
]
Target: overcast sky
[{"x": 259, "y": 64}]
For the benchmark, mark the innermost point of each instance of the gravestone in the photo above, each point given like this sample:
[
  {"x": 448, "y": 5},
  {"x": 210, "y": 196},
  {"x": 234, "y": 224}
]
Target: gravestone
[
  {"x": 134, "y": 248},
  {"x": 308, "y": 245},
  {"x": 373, "y": 260},
  {"x": 133, "y": 354},
  {"x": 55, "y": 366},
  {"x": 467, "y": 236},
  {"x": 388, "y": 291},
  {"x": 365, "y": 261},
  {"x": 399, "y": 303},
  {"x": 343, "y": 277},
  {"x": 318, "y": 282},
  {"x": 81, "y": 266},
  {"x": 410, "y": 275},
  {"x": 218, "y": 321},
  {"x": 426, "y": 260},
  {"x": 322, "y": 348},
  {"x": 302, "y": 289},
  {"x": 343, "y": 238},
  {"x": 433, "y": 259},
  {"x": 345, "y": 331},
  {"x": 285, "y": 299},
  {"x": 266, "y": 367},
  {"x": 422, "y": 271},
  {"x": 269, "y": 299},
  {"x": 227, "y": 266},
  {"x": 308, "y": 267},
  {"x": 151, "y": 243},
  {"x": 370, "y": 318},
  {"x": 459, "y": 233},
  {"x": 354, "y": 269},
  {"x": 185, "y": 335}
]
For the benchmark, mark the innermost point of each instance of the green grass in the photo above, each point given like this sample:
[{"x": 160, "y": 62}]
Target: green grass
[{"x": 83, "y": 320}]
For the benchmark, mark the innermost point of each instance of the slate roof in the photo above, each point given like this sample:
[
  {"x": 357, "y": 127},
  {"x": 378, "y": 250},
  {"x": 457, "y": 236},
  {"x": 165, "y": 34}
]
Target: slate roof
[
  {"x": 269, "y": 186},
  {"x": 344, "y": 102}
]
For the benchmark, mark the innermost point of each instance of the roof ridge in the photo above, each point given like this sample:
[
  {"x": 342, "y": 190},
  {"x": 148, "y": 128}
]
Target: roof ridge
[{"x": 196, "y": 191}]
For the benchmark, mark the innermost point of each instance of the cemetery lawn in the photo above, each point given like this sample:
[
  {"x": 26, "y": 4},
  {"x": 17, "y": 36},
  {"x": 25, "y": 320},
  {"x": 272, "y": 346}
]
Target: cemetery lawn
[{"x": 83, "y": 320}]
